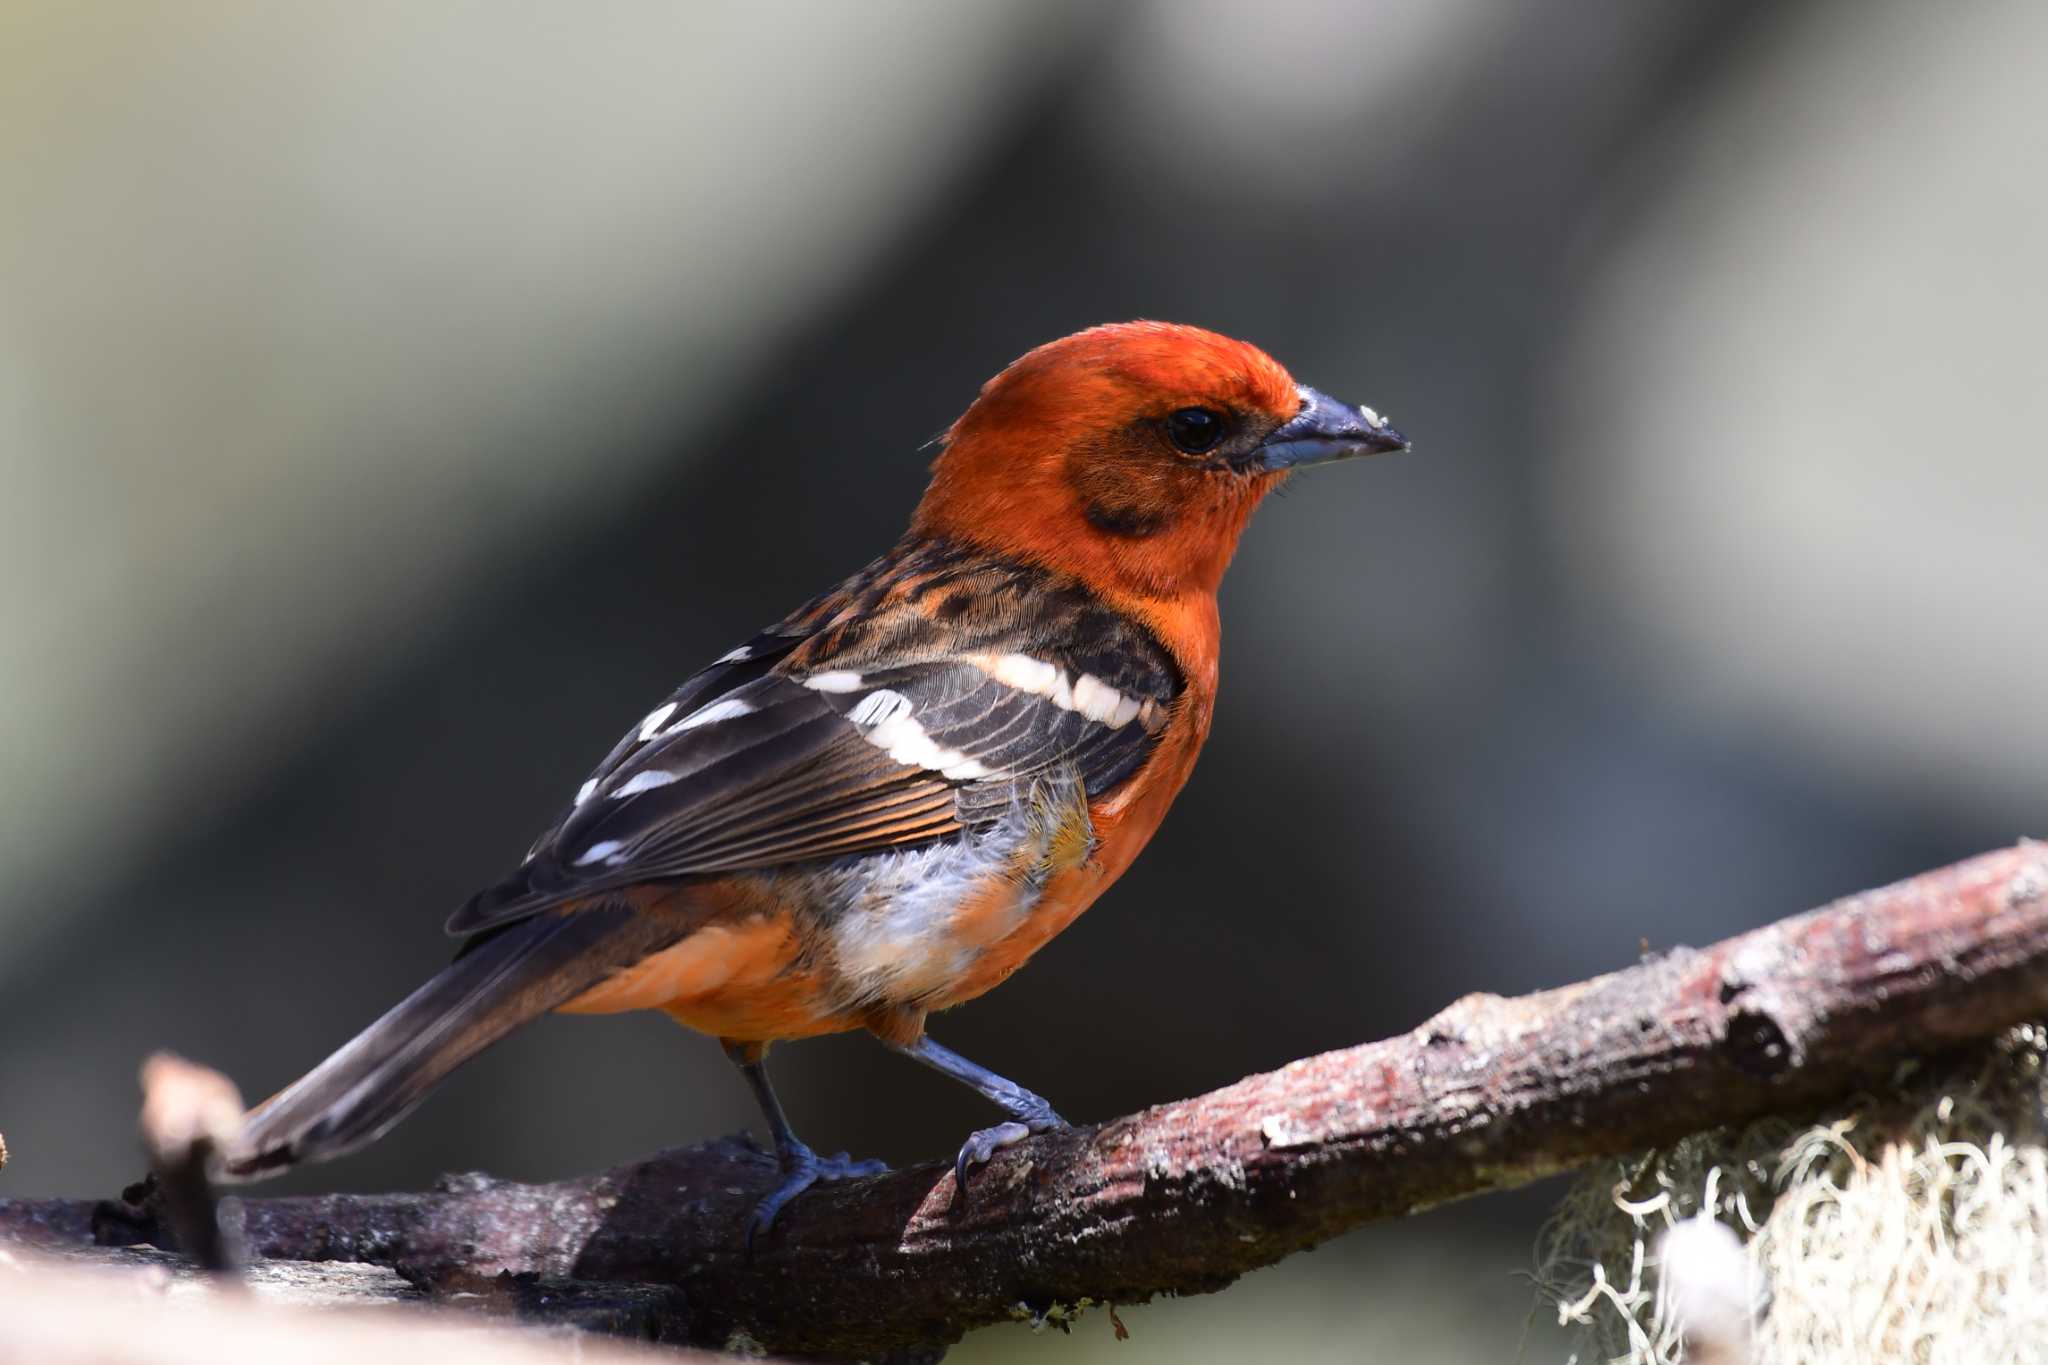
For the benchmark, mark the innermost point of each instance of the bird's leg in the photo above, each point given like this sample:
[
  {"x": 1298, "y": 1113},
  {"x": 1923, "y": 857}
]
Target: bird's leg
[
  {"x": 801, "y": 1167},
  {"x": 1029, "y": 1113}
]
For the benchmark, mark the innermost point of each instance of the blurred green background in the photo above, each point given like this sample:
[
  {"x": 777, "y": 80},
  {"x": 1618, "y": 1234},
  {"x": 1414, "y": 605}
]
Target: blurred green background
[{"x": 396, "y": 398}]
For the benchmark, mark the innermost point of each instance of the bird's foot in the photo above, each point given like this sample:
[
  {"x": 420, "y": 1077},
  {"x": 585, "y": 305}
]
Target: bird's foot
[
  {"x": 982, "y": 1145},
  {"x": 801, "y": 1169}
]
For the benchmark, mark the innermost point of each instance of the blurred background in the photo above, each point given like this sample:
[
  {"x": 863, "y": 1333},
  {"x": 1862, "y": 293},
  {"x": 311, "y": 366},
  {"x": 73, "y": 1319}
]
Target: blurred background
[{"x": 396, "y": 398}]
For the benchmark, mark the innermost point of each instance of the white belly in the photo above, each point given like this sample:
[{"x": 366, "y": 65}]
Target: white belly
[{"x": 896, "y": 926}]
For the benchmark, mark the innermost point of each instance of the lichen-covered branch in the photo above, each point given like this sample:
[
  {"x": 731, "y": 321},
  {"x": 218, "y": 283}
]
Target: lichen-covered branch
[
  {"x": 1186, "y": 1196},
  {"x": 131, "y": 1307},
  {"x": 189, "y": 1116}
]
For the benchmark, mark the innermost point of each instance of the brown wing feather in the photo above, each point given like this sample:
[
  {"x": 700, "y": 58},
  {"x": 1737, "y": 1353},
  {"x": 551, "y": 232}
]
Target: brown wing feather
[{"x": 745, "y": 767}]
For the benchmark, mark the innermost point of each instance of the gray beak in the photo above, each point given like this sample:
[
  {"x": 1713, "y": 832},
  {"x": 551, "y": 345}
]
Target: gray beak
[{"x": 1326, "y": 430}]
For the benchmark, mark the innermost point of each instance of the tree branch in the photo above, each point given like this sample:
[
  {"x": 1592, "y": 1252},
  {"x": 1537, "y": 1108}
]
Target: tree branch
[
  {"x": 1491, "y": 1093},
  {"x": 146, "y": 1308}
]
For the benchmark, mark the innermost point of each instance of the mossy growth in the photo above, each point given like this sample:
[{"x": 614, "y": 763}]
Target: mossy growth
[{"x": 1909, "y": 1224}]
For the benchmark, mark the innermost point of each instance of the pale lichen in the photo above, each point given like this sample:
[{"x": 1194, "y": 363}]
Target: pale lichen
[{"x": 1908, "y": 1225}]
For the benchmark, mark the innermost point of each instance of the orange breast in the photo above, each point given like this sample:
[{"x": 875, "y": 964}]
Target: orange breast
[{"x": 1125, "y": 822}]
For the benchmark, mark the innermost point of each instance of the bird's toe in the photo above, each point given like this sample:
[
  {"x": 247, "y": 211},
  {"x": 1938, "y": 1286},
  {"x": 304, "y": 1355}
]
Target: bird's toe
[
  {"x": 985, "y": 1143},
  {"x": 801, "y": 1169}
]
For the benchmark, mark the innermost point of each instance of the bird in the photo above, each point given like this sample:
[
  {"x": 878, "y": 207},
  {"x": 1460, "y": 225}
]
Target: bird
[{"x": 882, "y": 805}]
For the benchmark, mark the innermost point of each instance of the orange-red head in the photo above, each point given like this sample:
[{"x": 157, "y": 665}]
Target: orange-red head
[{"x": 1133, "y": 454}]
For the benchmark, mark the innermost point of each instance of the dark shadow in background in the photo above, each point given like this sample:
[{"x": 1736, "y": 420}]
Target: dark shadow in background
[{"x": 1420, "y": 783}]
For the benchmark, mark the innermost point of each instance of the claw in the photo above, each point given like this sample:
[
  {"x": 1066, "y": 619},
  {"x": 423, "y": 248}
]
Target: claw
[
  {"x": 803, "y": 1168},
  {"x": 1028, "y": 1113},
  {"x": 986, "y": 1142}
]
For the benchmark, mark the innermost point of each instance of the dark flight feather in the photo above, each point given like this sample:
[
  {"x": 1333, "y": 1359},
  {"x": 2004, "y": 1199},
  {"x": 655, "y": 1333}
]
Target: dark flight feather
[
  {"x": 498, "y": 983},
  {"x": 778, "y": 772}
]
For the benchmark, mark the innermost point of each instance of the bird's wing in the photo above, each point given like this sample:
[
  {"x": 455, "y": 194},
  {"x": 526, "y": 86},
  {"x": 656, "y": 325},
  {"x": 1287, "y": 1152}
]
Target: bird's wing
[{"x": 852, "y": 727}]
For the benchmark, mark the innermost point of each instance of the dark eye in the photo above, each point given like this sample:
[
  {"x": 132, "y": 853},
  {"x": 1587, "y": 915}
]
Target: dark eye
[{"x": 1195, "y": 430}]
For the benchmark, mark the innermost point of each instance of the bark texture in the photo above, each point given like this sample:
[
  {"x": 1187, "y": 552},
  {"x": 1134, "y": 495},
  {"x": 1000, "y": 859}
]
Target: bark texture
[{"x": 1184, "y": 1197}]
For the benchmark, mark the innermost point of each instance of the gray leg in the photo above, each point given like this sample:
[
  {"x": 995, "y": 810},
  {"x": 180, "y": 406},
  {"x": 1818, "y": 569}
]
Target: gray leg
[
  {"x": 1029, "y": 1113},
  {"x": 801, "y": 1167}
]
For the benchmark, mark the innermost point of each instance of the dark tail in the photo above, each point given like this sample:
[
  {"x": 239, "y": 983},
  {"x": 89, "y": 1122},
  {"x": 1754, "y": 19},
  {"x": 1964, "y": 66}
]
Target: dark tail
[{"x": 496, "y": 984}]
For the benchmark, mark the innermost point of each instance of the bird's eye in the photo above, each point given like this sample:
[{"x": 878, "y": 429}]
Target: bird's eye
[{"x": 1195, "y": 430}]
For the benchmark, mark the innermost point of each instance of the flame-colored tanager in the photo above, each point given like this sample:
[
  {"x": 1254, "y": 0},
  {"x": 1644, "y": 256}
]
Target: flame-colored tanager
[{"x": 886, "y": 802}]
